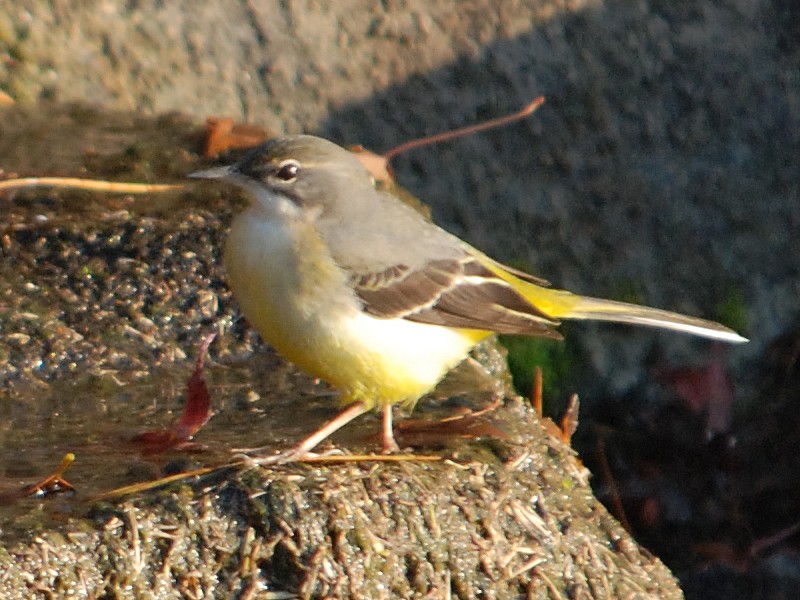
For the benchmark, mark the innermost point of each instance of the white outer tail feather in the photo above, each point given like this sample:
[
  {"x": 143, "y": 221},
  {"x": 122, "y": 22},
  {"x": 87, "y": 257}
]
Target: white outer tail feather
[{"x": 597, "y": 309}]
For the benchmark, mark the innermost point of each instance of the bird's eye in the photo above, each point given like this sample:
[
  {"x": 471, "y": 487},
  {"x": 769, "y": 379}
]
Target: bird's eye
[{"x": 288, "y": 170}]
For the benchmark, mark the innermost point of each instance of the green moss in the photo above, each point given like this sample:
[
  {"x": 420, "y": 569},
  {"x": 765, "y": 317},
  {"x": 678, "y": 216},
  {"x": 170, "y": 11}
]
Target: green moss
[
  {"x": 555, "y": 358},
  {"x": 732, "y": 311}
]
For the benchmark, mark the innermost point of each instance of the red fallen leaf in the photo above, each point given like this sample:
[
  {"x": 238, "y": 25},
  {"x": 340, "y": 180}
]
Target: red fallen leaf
[
  {"x": 569, "y": 422},
  {"x": 198, "y": 401},
  {"x": 378, "y": 164},
  {"x": 196, "y": 413},
  {"x": 222, "y": 133},
  {"x": 49, "y": 486},
  {"x": 466, "y": 425},
  {"x": 706, "y": 390}
]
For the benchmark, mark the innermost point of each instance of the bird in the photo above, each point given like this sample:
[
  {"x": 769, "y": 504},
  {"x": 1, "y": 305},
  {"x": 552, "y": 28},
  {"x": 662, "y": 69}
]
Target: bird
[{"x": 357, "y": 288}]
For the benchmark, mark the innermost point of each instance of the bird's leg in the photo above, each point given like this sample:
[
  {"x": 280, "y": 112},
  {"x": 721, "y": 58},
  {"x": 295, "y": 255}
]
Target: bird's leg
[
  {"x": 389, "y": 443},
  {"x": 308, "y": 444}
]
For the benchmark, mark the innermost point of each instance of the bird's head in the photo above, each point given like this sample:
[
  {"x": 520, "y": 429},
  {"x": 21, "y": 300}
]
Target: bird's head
[{"x": 296, "y": 172}]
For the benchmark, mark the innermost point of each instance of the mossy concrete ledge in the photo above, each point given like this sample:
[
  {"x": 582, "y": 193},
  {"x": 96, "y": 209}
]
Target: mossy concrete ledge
[{"x": 497, "y": 520}]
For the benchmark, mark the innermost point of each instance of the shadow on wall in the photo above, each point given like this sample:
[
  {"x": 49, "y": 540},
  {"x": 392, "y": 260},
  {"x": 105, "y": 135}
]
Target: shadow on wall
[{"x": 658, "y": 164}]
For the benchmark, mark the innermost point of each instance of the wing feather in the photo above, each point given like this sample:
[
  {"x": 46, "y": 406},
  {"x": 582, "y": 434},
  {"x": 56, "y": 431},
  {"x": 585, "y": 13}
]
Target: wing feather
[{"x": 453, "y": 293}]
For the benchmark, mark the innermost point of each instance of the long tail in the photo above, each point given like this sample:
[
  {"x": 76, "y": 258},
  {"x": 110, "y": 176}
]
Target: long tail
[
  {"x": 621, "y": 312},
  {"x": 561, "y": 304}
]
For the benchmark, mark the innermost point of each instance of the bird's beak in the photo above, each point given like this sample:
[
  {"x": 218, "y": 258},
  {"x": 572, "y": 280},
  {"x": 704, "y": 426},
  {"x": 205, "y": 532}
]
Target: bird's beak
[{"x": 215, "y": 173}]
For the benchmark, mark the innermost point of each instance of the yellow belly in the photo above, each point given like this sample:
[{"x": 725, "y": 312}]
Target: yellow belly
[{"x": 300, "y": 302}]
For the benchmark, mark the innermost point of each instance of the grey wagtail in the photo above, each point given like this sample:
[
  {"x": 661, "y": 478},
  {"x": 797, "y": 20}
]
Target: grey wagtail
[{"x": 357, "y": 288}]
